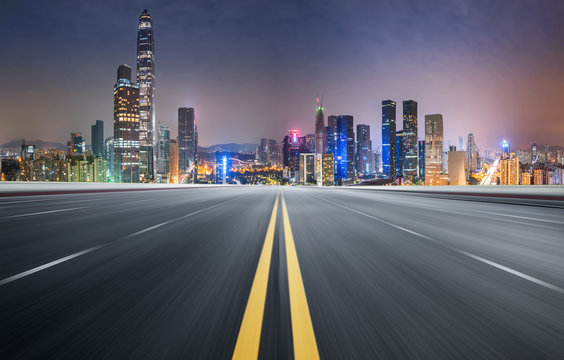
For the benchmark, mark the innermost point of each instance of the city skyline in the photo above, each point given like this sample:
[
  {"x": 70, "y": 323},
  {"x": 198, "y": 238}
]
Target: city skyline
[{"x": 287, "y": 109}]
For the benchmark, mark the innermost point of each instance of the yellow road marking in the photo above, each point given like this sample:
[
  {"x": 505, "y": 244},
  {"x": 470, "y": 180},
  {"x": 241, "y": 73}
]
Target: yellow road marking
[
  {"x": 248, "y": 340},
  {"x": 305, "y": 346}
]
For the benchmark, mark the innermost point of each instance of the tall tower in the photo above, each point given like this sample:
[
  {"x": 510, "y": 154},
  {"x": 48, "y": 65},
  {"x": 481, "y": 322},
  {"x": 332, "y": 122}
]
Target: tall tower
[
  {"x": 97, "y": 136},
  {"x": 126, "y": 127},
  {"x": 389, "y": 138},
  {"x": 146, "y": 81},
  {"x": 319, "y": 128},
  {"x": 471, "y": 162},
  {"x": 433, "y": 148},
  {"x": 345, "y": 148},
  {"x": 187, "y": 143},
  {"x": 364, "y": 160},
  {"x": 410, "y": 139}
]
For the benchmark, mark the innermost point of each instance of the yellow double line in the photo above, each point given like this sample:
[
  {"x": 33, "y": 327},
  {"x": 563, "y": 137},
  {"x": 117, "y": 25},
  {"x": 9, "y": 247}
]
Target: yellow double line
[{"x": 248, "y": 340}]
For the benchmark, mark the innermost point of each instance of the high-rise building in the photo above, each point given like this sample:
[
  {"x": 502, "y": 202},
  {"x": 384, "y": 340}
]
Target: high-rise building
[
  {"x": 433, "y": 148},
  {"x": 421, "y": 160},
  {"x": 505, "y": 152},
  {"x": 110, "y": 159},
  {"x": 307, "y": 168},
  {"x": 539, "y": 177},
  {"x": 173, "y": 167},
  {"x": 410, "y": 140},
  {"x": 97, "y": 137},
  {"x": 456, "y": 168},
  {"x": 526, "y": 178},
  {"x": 325, "y": 168},
  {"x": 399, "y": 153},
  {"x": 272, "y": 154},
  {"x": 163, "y": 151},
  {"x": 77, "y": 144},
  {"x": 319, "y": 129},
  {"x": 364, "y": 160},
  {"x": 100, "y": 170},
  {"x": 344, "y": 162},
  {"x": 126, "y": 127},
  {"x": 291, "y": 149},
  {"x": 310, "y": 143},
  {"x": 146, "y": 82},
  {"x": 262, "y": 152},
  {"x": 509, "y": 171},
  {"x": 389, "y": 138},
  {"x": 187, "y": 143},
  {"x": 471, "y": 161},
  {"x": 460, "y": 143}
]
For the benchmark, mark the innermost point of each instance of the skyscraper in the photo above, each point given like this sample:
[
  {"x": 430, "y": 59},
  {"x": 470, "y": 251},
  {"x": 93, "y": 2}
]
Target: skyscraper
[
  {"x": 263, "y": 151},
  {"x": 291, "y": 150},
  {"x": 173, "y": 165},
  {"x": 410, "y": 139},
  {"x": 187, "y": 142},
  {"x": 456, "y": 175},
  {"x": 433, "y": 148},
  {"x": 421, "y": 160},
  {"x": 534, "y": 154},
  {"x": 97, "y": 137},
  {"x": 399, "y": 153},
  {"x": 126, "y": 127},
  {"x": 389, "y": 138},
  {"x": 146, "y": 81},
  {"x": 471, "y": 162},
  {"x": 505, "y": 150},
  {"x": 345, "y": 148},
  {"x": 319, "y": 128},
  {"x": 364, "y": 160},
  {"x": 163, "y": 151},
  {"x": 76, "y": 144}
]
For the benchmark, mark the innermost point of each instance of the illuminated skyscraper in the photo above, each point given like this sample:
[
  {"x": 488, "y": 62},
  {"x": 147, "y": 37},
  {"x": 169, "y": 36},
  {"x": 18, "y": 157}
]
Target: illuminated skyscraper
[
  {"x": 421, "y": 160},
  {"x": 163, "y": 151},
  {"x": 146, "y": 81},
  {"x": 505, "y": 154},
  {"x": 471, "y": 161},
  {"x": 389, "y": 138},
  {"x": 307, "y": 168},
  {"x": 97, "y": 137},
  {"x": 344, "y": 162},
  {"x": 433, "y": 148},
  {"x": 325, "y": 168},
  {"x": 534, "y": 153},
  {"x": 364, "y": 160},
  {"x": 319, "y": 128},
  {"x": 173, "y": 167},
  {"x": 187, "y": 142},
  {"x": 126, "y": 127},
  {"x": 410, "y": 139},
  {"x": 399, "y": 153},
  {"x": 509, "y": 171},
  {"x": 291, "y": 149}
]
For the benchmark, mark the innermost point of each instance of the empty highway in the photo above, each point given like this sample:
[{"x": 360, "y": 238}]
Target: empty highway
[{"x": 281, "y": 273}]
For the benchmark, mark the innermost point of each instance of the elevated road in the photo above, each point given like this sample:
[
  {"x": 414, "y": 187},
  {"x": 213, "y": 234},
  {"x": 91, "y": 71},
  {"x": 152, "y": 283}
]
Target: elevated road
[{"x": 281, "y": 272}]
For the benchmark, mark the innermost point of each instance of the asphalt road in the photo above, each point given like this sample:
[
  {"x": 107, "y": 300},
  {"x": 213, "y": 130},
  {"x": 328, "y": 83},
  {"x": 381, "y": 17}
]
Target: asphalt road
[{"x": 339, "y": 273}]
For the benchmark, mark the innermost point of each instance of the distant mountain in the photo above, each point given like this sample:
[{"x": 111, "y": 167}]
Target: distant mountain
[
  {"x": 231, "y": 147},
  {"x": 40, "y": 144}
]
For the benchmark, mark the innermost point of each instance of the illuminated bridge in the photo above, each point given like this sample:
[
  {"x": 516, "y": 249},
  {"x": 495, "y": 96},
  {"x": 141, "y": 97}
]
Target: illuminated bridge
[{"x": 217, "y": 272}]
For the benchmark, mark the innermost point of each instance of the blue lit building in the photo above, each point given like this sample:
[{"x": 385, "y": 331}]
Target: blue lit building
[
  {"x": 505, "y": 154},
  {"x": 344, "y": 148},
  {"x": 364, "y": 159},
  {"x": 389, "y": 138},
  {"x": 223, "y": 165},
  {"x": 410, "y": 140},
  {"x": 399, "y": 153},
  {"x": 421, "y": 160}
]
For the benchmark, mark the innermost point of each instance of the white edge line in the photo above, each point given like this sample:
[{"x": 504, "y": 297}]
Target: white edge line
[
  {"x": 475, "y": 257},
  {"x": 42, "y": 212},
  {"x": 48, "y": 265}
]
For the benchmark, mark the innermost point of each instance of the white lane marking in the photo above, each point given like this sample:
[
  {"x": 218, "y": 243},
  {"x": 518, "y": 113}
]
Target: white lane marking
[
  {"x": 528, "y": 218},
  {"x": 48, "y": 265},
  {"x": 511, "y": 271},
  {"x": 41, "y": 213},
  {"x": 66, "y": 258},
  {"x": 475, "y": 257},
  {"x": 20, "y": 202}
]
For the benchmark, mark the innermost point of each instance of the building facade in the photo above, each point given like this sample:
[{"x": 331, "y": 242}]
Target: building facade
[
  {"x": 364, "y": 161},
  {"x": 344, "y": 160},
  {"x": 456, "y": 168},
  {"x": 126, "y": 127},
  {"x": 409, "y": 140},
  {"x": 433, "y": 148},
  {"x": 163, "y": 152},
  {"x": 319, "y": 145},
  {"x": 389, "y": 139},
  {"x": 187, "y": 143},
  {"x": 146, "y": 82},
  {"x": 97, "y": 138}
]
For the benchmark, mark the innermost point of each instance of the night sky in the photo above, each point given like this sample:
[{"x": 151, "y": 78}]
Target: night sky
[{"x": 253, "y": 69}]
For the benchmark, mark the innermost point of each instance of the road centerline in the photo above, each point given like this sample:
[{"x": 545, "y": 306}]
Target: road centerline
[
  {"x": 248, "y": 339},
  {"x": 305, "y": 345}
]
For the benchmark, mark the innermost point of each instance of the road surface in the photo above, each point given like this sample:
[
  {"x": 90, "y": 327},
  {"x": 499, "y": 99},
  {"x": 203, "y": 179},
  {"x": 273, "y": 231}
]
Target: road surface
[{"x": 280, "y": 272}]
